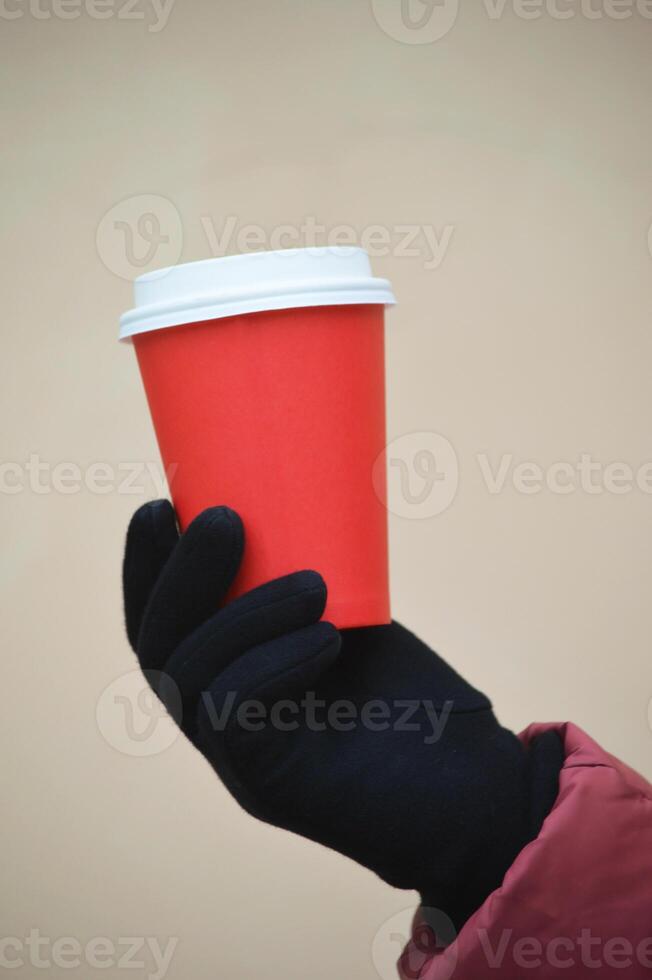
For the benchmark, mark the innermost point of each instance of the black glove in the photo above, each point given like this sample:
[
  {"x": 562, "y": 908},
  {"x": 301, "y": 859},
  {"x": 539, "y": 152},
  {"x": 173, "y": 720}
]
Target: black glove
[{"x": 365, "y": 741}]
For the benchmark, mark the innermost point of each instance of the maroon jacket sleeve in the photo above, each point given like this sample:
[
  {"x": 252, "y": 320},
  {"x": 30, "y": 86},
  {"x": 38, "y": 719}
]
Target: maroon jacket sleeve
[{"x": 577, "y": 902}]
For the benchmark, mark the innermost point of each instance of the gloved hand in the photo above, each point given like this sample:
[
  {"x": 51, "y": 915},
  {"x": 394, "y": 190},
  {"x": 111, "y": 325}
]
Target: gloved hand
[{"x": 363, "y": 740}]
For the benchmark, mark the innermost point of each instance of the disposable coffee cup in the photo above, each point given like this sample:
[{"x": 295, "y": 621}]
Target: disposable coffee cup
[{"x": 265, "y": 379}]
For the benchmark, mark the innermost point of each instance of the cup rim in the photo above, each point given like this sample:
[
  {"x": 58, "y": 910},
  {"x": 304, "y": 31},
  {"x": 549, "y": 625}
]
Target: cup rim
[{"x": 253, "y": 282}]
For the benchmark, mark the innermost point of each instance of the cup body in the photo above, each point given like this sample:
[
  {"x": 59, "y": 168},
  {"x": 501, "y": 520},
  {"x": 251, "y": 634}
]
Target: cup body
[
  {"x": 281, "y": 415},
  {"x": 265, "y": 380}
]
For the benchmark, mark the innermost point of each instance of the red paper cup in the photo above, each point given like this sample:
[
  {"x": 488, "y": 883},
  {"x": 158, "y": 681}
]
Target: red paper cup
[{"x": 264, "y": 375}]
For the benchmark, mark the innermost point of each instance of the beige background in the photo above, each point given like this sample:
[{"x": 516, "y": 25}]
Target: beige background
[{"x": 526, "y": 145}]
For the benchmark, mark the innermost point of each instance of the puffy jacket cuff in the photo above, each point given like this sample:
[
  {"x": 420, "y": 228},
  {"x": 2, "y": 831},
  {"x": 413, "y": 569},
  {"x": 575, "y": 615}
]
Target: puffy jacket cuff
[{"x": 577, "y": 897}]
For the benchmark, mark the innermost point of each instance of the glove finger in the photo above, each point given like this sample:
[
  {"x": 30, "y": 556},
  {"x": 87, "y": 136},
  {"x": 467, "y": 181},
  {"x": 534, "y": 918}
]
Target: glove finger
[
  {"x": 246, "y": 700},
  {"x": 272, "y": 610},
  {"x": 195, "y": 579},
  {"x": 151, "y": 537}
]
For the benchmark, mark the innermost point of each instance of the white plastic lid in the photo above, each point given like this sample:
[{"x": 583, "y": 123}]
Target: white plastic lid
[{"x": 251, "y": 283}]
